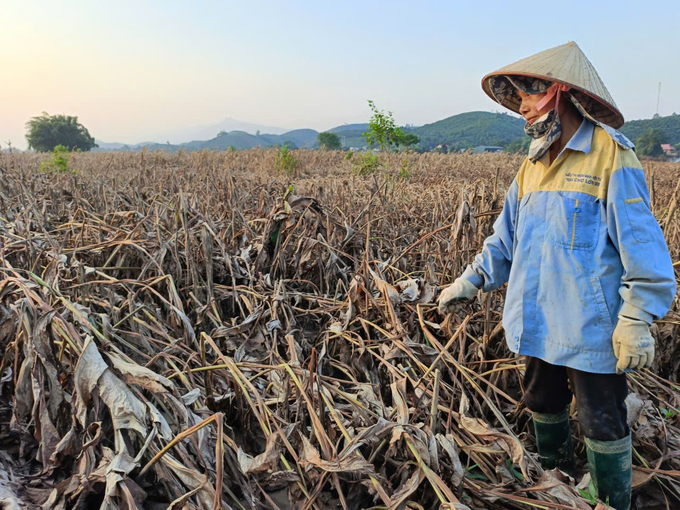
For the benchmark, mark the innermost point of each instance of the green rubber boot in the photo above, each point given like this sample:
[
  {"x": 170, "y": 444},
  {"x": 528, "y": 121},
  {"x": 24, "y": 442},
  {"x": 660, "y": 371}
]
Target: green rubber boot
[
  {"x": 611, "y": 468},
  {"x": 553, "y": 439}
]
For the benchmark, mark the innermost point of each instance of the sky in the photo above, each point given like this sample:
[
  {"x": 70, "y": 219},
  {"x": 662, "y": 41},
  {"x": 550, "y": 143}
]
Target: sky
[{"x": 132, "y": 69}]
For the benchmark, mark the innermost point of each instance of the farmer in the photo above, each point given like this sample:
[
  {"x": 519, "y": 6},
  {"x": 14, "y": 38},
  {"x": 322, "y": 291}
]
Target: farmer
[{"x": 586, "y": 263}]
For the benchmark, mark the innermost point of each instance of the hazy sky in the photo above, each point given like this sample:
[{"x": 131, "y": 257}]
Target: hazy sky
[{"x": 130, "y": 69}]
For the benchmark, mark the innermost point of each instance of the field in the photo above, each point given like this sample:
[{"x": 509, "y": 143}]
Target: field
[{"x": 199, "y": 328}]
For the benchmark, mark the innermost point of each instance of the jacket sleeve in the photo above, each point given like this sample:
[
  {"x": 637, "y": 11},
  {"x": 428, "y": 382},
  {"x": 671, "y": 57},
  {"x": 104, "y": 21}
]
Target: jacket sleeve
[
  {"x": 491, "y": 267},
  {"x": 648, "y": 280}
]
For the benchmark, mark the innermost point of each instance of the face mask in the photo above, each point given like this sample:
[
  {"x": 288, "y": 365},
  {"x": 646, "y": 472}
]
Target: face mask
[
  {"x": 544, "y": 131},
  {"x": 541, "y": 126},
  {"x": 548, "y": 128}
]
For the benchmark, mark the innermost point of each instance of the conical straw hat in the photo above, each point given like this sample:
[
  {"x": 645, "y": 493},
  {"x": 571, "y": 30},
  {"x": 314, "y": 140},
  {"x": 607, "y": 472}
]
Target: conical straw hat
[{"x": 565, "y": 64}]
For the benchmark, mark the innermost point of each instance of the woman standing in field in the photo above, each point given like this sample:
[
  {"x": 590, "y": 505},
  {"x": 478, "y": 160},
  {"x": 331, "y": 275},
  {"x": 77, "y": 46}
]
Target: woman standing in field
[{"x": 586, "y": 263}]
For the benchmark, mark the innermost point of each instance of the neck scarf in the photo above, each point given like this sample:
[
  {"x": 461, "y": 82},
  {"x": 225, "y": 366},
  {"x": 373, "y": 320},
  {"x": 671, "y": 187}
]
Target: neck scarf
[
  {"x": 544, "y": 131},
  {"x": 547, "y": 129}
]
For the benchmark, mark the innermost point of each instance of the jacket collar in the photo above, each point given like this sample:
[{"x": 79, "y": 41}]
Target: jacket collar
[{"x": 582, "y": 139}]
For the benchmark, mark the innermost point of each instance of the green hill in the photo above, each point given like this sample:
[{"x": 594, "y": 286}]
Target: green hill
[
  {"x": 345, "y": 128},
  {"x": 669, "y": 125},
  {"x": 304, "y": 138},
  {"x": 156, "y": 147},
  {"x": 470, "y": 129},
  {"x": 238, "y": 139},
  {"x": 351, "y": 134},
  {"x": 458, "y": 132},
  {"x": 462, "y": 131}
]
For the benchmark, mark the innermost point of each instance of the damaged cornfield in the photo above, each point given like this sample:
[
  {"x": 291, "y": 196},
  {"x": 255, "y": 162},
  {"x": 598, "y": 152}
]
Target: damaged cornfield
[{"x": 199, "y": 331}]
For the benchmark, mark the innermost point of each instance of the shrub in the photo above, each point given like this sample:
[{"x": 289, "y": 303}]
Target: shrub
[
  {"x": 285, "y": 161},
  {"x": 58, "y": 164},
  {"x": 405, "y": 170},
  {"x": 367, "y": 164}
]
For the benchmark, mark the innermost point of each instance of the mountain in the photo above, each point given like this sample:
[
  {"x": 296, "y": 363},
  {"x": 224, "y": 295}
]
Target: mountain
[
  {"x": 349, "y": 127},
  {"x": 103, "y": 146},
  {"x": 237, "y": 139},
  {"x": 470, "y": 129},
  {"x": 669, "y": 125},
  {"x": 116, "y": 146},
  {"x": 210, "y": 131},
  {"x": 461, "y": 131},
  {"x": 303, "y": 138},
  {"x": 351, "y": 134}
]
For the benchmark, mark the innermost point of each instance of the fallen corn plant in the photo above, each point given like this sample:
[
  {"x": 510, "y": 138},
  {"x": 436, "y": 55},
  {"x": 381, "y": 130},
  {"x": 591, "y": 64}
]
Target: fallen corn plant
[{"x": 198, "y": 330}]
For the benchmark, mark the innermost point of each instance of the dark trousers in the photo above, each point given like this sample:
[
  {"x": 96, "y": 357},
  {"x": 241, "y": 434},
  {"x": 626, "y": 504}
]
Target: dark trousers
[{"x": 599, "y": 397}]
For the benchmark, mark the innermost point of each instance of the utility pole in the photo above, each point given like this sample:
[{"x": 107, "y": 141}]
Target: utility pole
[{"x": 658, "y": 97}]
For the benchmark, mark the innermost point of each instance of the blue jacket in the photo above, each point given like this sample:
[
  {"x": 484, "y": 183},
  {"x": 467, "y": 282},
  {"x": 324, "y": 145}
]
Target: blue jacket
[{"x": 578, "y": 245}]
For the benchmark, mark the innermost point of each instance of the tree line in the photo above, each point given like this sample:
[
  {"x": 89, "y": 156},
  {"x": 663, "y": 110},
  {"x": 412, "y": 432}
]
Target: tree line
[{"x": 45, "y": 132}]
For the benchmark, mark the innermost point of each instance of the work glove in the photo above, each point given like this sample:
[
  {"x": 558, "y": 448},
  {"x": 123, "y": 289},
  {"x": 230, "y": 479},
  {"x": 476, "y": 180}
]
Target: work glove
[
  {"x": 633, "y": 344},
  {"x": 455, "y": 295}
]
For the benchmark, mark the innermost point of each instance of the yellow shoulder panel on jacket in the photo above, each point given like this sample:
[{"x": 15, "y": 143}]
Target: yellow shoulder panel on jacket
[
  {"x": 626, "y": 158},
  {"x": 577, "y": 171}
]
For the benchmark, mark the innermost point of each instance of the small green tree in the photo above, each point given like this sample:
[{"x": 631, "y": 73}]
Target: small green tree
[
  {"x": 382, "y": 131},
  {"x": 649, "y": 143},
  {"x": 285, "y": 161},
  {"x": 58, "y": 163},
  {"x": 47, "y": 131},
  {"x": 291, "y": 145},
  {"x": 408, "y": 139},
  {"x": 329, "y": 141}
]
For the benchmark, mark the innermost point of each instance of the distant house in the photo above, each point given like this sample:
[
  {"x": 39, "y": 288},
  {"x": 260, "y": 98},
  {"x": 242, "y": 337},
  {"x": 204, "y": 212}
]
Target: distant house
[
  {"x": 669, "y": 150},
  {"x": 480, "y": 149}
]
